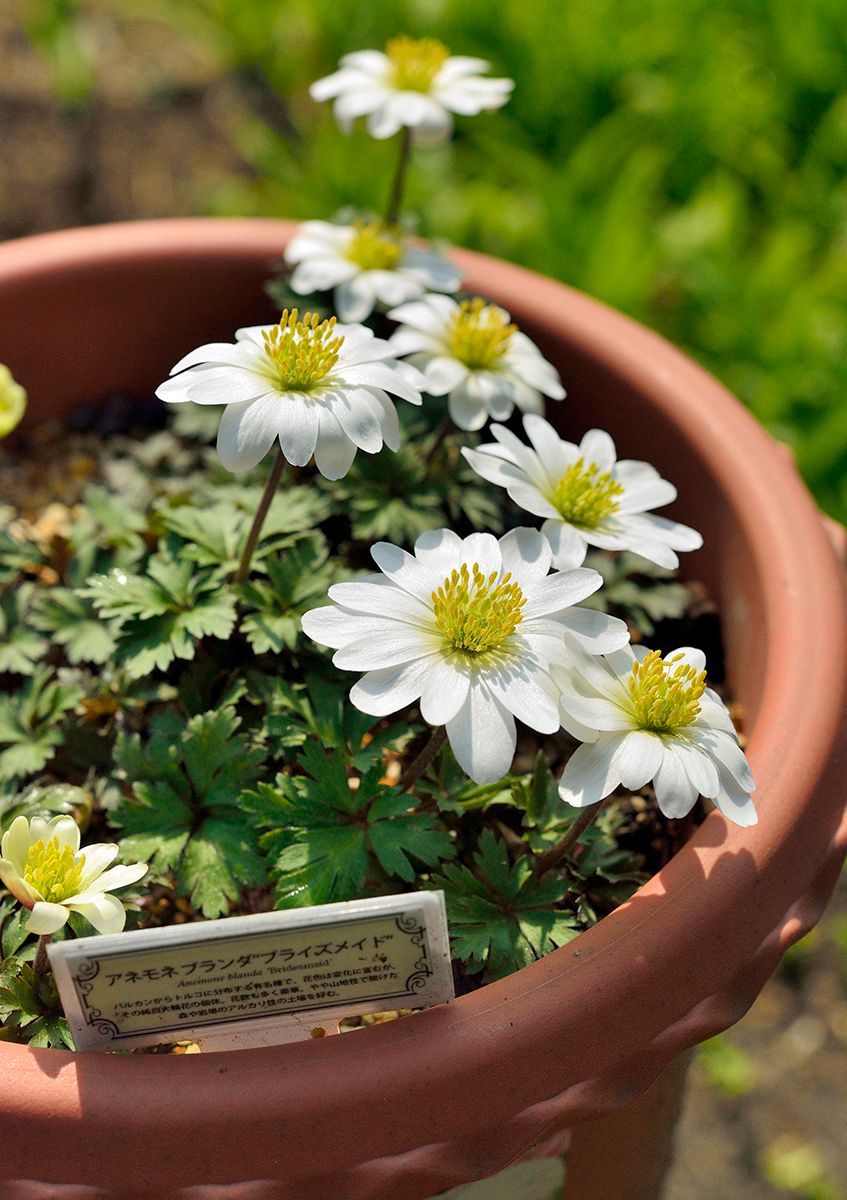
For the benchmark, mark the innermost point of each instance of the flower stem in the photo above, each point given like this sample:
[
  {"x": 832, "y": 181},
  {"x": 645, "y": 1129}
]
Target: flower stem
[
  {"x": 41, "y": 965},
  {"x": 557, "y": 854},
  {"x": 418, "y": 765},
  {"x": 259, "y": 519},
  {"x": 399, "y": 182},
  {"x": 440, "y": 435}
]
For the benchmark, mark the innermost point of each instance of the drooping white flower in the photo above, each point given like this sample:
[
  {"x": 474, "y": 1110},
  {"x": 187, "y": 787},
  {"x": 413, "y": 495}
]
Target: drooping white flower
[
  {"x": 366, "y": 264},
  {"x": 473, "y": 354},
  {"x": 587, "y": 496},
  {"x": 416, "y": 83},
  {"x": 317, "y": 387},
  {"x": 470, "y": 628},
  {"x": 646, "y": 718},
  {"x": 43, "y": 867}
]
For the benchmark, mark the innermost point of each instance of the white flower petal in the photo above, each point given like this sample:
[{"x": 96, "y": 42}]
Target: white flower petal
[
  {"x": 560, "y": 591},
  {"x": 639, "y": 756},
  {"x": 396, "y": 644},
  {"x": 466, "y": 409},
  {"x": 734, "y": 801},
  {"x": 554, "y": 454},
  {"x": 332, "y": 626},
  {"x": 334, "y": 452},
  {"x": 482, "y": 735},
  {"x": 569, "y": 546},
  {"x": 106, "y": 913},
  {"x": 526, "y": 693},
  {"x": 526, "y": 555},
  {"x": 597, "y": 447},
  {"x": 380, "y": 693},
  {"x": 698, "y": 765},
  {"x": 381, "y": 597},
  {"x": 675, "y": 793},
  {"x": 591, "y": 773},
  {"x": 97, "y": 859},
  {"x": 443, "y": 374},
  {"x": 445, "y": 690},
  {"x": 439, "y": 550},
  {"x": 595, "y": 632},
  {"x": 64, "y": 829},
  {"x": 118, "y": 877},
  {"x": 246, "y": 433},
  {"x": 299, "y": 423},
  {"x": 16, "y": 843},
  {"x": 482, "y": 549},
  {"x": 46, "y": 918},
  {"x": 404, "y": 570}
]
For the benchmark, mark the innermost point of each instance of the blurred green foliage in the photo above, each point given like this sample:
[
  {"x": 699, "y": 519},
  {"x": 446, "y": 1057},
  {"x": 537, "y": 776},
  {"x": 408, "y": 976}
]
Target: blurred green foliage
[{"x": 683, "y": 160}]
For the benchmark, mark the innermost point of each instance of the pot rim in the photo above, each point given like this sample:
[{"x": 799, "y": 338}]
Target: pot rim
[{"x": 587, "y": 1028}]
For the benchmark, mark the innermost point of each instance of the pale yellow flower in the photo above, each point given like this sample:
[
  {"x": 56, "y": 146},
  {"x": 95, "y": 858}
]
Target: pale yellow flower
[
  {"x": 43, "y": 867},
  {"x": 12, "y": 402}
]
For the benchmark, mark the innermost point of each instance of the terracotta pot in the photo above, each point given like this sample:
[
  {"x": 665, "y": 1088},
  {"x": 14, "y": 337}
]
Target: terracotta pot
[{"x": 403, "y": 1111}]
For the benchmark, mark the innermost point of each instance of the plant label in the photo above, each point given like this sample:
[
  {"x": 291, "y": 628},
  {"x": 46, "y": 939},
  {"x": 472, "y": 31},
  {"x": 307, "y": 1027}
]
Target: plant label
[{"x": 255, "y": 980}]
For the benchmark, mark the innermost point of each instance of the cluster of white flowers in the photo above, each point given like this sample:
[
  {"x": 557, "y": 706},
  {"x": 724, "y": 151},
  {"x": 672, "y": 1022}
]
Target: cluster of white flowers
[{"x": 476, "y": 632}]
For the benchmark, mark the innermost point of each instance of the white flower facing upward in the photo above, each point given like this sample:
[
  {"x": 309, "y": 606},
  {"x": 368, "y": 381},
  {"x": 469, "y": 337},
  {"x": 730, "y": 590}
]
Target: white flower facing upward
[
  {"x": 586, "y": 495},
  {"x": 469, "y": 628},
  {"x": 646, "y": 718},
  {"x": 317, "y": 387},
  {"x": 43, "y": 867},
  {"x": 473, "y": 354},
  {"x": 416, "y": 83},
  {"x": 367, "y": 263}
]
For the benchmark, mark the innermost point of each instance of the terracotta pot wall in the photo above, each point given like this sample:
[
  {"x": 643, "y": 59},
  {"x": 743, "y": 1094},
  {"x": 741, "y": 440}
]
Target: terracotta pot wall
[{"x": 404, "y": 1111}]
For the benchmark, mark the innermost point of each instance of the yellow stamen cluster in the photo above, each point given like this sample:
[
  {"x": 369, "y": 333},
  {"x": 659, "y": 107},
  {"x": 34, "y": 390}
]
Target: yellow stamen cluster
[
  {"x": 475, "y": 612},
  {"x": 585, "y": 495},
  {"x": 375, "y": 247},
  {"x": 303, "y": 352},
  {"x": 415, "y": 62},
  {"x": 480, "y": 334},
  {"x": 664, "y": 696},
  {"x": 51, "y": 870}
]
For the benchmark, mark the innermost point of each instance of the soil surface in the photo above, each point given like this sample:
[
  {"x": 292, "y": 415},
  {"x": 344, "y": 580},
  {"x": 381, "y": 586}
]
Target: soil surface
[{"x": 767, "y": 1105}]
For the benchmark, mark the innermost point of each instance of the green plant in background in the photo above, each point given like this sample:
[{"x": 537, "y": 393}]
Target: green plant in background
[{"x": 697, "y": 183}]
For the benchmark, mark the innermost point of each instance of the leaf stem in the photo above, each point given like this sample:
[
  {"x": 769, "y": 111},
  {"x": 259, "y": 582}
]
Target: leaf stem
[
  {"x": 557, "y": 854},
  {"x": 259, "y": 519},
  {"x": 418, "y": 765},
  {"x": 398, "y": 184},
  {"x": 41, "y": 965}
]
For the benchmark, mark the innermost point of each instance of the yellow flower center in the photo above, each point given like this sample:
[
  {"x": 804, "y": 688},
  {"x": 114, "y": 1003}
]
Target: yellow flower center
[
  {"x": 303, "y": 352},
  {"x": 585, "y": 495},
  {"x": 375, "y": 247},
  {"x": 480, "y": 334},
  {"x": 664, "y": 696},
  {"x": 51, "y": 870},
  {"x": 475, "y": 612},
  {"x": 415, "y": 62}
]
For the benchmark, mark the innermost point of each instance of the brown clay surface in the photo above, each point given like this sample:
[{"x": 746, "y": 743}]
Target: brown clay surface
[{"x": 795, "y": 1093}]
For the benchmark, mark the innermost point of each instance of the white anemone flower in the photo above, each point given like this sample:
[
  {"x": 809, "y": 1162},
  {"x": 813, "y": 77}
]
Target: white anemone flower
[
  {"x": 43, "y": 867},
  {"x": 470, "y": 629},
  {"x": 473, "y": 354},
  {"x": 416, "y": 83},
  {"x": 643, "y": 717},
  {"x": 367, "y": 263},
  {"x": 317, "y": 387},
  {"x": 587, "y": 496}
]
